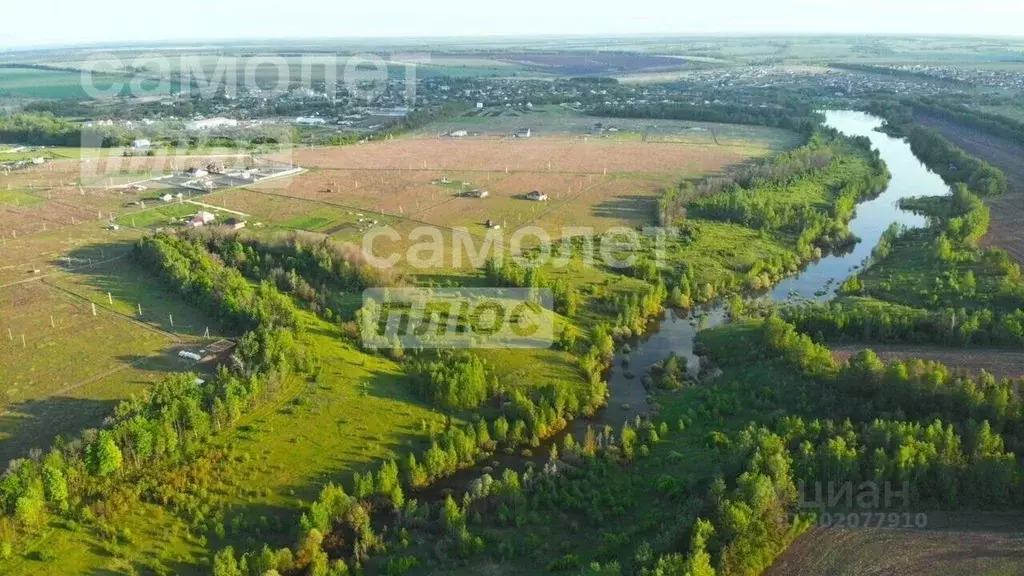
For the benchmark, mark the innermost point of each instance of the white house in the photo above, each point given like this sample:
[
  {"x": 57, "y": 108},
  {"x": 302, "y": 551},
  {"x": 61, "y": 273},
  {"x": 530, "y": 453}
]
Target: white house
[
  {"x": 479, "y": 105},
  {"x": 141, "y": 144},
  {"x": 209, "y": 123},
  {"x": 202, "y": 219},
  {"x": 196, "y": 172},
  {"x": 458, "y": 133},
  {"x": 167, "y": 198}
]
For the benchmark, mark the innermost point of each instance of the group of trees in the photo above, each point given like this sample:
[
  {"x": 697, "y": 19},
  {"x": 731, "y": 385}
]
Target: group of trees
[
  {"x": 1001, "y": 126},
  {"x": 633, "y": 310},
  {"x": 955, "y": 165},
  {"x": 174, "y": 418},
  {"x": 868, "y": 321},
  {"x": 846, "y": 169},
  {"x": 40, "y": 130},
  {"x": 865, "y": 388},
  {"x": 336, "y": 532},
  {"x": 506, "y": 272},
  {"x": 199, "y": 278},
  {"x": 455, "y": 380},
  {"x": 323, "y": 274},
  {"x": 797, "y": 117},
  {"x": 972, "y": 296}
]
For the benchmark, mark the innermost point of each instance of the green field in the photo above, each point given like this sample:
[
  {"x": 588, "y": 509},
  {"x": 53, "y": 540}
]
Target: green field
[
  {"x": 358, "y": 411},
  {"x": 32, "y": 83},
  {"x": 18, "y": 198}
]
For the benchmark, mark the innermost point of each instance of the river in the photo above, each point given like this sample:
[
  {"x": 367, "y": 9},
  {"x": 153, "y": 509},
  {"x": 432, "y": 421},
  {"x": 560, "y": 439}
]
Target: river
[
  {"x": 817, "y": 281},
  {"x": 677, "y": 332}
]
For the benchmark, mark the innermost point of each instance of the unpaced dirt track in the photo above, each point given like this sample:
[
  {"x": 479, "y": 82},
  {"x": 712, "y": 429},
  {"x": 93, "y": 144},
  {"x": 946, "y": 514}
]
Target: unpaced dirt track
[
  {"x": 1000, "y": 363},
  {"x": 1006, "y": 231}
]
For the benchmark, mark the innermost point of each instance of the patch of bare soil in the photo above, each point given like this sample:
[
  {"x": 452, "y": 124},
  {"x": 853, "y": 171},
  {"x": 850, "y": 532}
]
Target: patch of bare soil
[
  {"x": 967, "y": 544},
  {"x": 1006, "y": 231},
  {"x": 1000, "y": 363}
]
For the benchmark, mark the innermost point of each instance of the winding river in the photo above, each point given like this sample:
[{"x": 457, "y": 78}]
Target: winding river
[
  {"x": 817, "y": 281},
  {"x": 677, "y": 332}
]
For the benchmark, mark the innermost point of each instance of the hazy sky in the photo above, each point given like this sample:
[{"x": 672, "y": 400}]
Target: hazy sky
[{"x": 89, "y": 21}]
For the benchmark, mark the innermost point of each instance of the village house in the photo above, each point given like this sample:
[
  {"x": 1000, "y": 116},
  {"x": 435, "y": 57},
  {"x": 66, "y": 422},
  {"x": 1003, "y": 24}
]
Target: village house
[
  {"x": 477, "y": 193},
  {"x": 202, "y": 219},
  {"x": 234, "y": 223},
  {"x": 537, "y": 195}
]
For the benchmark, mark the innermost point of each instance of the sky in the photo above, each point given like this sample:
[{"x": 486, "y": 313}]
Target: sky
[{"x": 110, "y": 21}]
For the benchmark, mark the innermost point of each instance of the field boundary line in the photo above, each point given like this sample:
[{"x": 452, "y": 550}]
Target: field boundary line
[
  {"x": 172, "y": 337},
  {"x": 365, "y": 210},
  {"x": 62, "y": 270},
  {"x": 215, "y": 207}
]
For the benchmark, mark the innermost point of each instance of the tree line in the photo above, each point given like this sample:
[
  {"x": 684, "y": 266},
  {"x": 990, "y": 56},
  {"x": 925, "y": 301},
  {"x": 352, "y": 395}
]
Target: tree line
[
  {"x": 323, "y": 274},
  {"x": 954, "y": 164},
  {"x": 797, "y": 117},
  {"x": 84, "y": 478}
]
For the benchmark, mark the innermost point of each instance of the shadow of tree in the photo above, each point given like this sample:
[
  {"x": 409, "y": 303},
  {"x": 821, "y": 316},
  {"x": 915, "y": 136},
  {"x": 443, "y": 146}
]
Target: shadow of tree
[
  {"x": 37, "y": 423},
  {"x": 132, "y": 286},
  {"x": 642, "y": 209}
]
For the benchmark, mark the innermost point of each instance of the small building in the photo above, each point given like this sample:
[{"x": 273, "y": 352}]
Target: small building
[
  {"x": 537, "y": 195},
  {"x": 479, "y": 105},
  {"x": 141, "y": 144},
  {"x": 201, "y": 219},
  {"x": 196, "y": 172},
  {"x": 234, "y": 223},
  {"x": 524, "y": 133},
  {"x": 136, "y": 187},
  {"x": 477, "y": 193},
  {"x": 39, "y": 160},
  {"x": 458, "y": 134},
  {"x": 167, "y": 198},
  {"x": 208, "y": 123}
]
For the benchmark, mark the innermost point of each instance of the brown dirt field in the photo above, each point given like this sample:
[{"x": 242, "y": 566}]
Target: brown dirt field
[
  {"x": 390, "y": 191},
  {"x": 1005, "y": 230},
  {"x": 1000, "y": 363},
  {"x": 535, "y": 154},
  {"x": 952, "y": 545}
]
